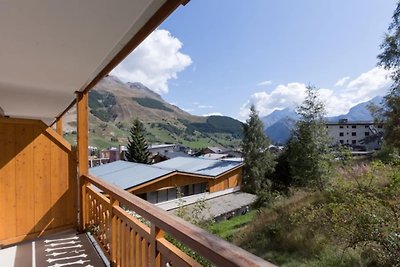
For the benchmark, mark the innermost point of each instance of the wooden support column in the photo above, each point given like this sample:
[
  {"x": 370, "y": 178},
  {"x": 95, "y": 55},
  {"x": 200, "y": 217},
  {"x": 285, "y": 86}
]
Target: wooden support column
[
  {"x": 83, "y": 169},
  {"x": 59, "y": 128},
  {"x": 82, "y": 129}
]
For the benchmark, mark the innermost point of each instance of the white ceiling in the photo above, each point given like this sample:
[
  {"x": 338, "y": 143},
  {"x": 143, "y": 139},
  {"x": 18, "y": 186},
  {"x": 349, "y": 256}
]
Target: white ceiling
[{"x": 51, "y": 48}]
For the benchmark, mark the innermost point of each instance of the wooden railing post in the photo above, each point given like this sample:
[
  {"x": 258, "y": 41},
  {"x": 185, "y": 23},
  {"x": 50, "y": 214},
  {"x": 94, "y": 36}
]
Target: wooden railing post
[
  {"x": 84, "y": 203},
  {"x": 155, "y": 255},
  {"x": 114, "y": 232}
]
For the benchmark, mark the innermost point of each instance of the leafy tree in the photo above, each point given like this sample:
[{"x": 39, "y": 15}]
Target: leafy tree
[
  {"x": 308, "y": 148},
  {"x": 259, "y": 162},
  {"x": 137, "y": 145},
  {"x": 390, "y": 60}
]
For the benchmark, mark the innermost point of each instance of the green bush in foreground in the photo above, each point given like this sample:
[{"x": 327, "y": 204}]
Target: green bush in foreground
[{"x": 354, "y": 222}]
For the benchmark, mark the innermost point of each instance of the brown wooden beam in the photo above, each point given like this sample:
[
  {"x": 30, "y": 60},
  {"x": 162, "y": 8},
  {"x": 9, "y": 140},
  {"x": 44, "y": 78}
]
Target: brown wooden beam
[
  {"x": 162, "y": 13},
  {"x": 59, "y": 126},
  {"x": 82, "y": 130},
  {"x": 83, "y": 155}
]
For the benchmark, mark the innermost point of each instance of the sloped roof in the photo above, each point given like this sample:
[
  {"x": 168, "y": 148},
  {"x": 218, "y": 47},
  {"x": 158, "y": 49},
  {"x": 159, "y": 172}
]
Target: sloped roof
[
  {"x": 207, "y": 167},
  {"x": 126, "y": 174},
  {"x": 50, "y": 49}
]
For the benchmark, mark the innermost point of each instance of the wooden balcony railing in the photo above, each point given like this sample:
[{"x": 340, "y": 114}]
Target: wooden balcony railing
[{"x": 128, "y": 241}]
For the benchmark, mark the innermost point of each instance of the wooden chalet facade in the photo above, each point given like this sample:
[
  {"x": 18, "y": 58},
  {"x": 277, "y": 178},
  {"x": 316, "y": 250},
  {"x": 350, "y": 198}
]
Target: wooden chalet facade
[
  {"x": 167, "y": 181},
  {"x": 53, "y": 53}
]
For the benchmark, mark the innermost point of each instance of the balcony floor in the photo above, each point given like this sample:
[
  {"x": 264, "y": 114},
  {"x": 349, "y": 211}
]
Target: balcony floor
[{"x": 66, "y": 248}]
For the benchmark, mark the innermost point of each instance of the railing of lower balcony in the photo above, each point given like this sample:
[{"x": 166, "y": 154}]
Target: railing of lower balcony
[{"x": 127, "y": 241}]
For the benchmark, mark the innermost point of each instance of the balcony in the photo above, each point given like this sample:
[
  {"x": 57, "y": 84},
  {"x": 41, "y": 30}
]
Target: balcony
[
  {"x": 53, "y": 54},
  {"x": 131, "y": 241}
]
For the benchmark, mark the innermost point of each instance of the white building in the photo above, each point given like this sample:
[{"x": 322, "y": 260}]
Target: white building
[
  {"x": 361, "y": 135},
  {"x": 165, "y": 148}
]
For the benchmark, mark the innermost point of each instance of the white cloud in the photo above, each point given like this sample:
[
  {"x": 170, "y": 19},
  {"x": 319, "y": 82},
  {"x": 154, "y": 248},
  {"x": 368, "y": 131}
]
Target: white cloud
[
  {"x": 342, "y": 81},
  {"x": 281, "y": 97},
  {"x": 264, "y": 83},
  {"x": 370, "y": 83},
  {"x": 204, "y": 106},
  {"x": 212, "y": 114},
  {"x": 156, "y": 61},
  {"x": 363, "y": 88}
]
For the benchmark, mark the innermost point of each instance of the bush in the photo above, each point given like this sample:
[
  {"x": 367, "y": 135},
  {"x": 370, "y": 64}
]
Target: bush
[{"x": 362, "y": 212}]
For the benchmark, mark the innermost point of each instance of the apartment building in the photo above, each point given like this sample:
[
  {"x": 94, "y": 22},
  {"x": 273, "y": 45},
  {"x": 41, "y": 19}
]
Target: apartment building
[{"x": 361, "y": 135}]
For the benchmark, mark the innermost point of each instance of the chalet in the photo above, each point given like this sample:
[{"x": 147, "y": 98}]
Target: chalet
[
  {"x": 52, "y": 54},
  {"x": 170, "y": 179}
]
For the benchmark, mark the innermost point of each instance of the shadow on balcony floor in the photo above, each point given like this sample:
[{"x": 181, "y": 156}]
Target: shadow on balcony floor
[{"x": 62, "y": 249}]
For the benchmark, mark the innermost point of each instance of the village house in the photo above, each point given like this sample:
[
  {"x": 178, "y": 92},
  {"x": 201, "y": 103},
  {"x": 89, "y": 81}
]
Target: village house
[{"x": 174, "y": 178}]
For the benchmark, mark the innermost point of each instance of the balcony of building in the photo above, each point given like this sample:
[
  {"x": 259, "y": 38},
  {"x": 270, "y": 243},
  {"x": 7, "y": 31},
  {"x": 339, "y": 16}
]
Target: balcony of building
[{"x": 53, "y": 53}]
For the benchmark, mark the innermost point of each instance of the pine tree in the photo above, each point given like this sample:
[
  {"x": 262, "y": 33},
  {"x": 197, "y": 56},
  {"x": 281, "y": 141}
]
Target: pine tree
[
  {"x": 259, "y": 162},
  {"x": 308, "y": 149},
  {"x": 137, "y": 146},
  {"x": 390, "y": 60}
]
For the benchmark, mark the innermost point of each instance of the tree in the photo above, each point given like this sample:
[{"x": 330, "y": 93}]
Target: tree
[
  {"x": 390, "y": 60},
  {"x": 259, "y": 162},
  {"x": 308, "y": 148},
  {"x": 137, "y": 145}
]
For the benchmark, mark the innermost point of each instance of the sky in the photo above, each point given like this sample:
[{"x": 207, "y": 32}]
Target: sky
[{"x": 221, "y": 56}]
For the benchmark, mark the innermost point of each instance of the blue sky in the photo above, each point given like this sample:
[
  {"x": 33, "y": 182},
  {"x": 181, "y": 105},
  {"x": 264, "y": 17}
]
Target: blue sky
[{"x": 219, "y": 56}]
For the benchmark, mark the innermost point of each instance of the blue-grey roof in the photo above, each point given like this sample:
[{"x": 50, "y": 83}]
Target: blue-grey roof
[
  {"x": 208, "y": 167},
  {"x": 126, "y": 174}
]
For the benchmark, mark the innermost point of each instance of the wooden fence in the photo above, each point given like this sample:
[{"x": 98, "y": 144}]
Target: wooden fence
[{"x": 132, "y": 241}]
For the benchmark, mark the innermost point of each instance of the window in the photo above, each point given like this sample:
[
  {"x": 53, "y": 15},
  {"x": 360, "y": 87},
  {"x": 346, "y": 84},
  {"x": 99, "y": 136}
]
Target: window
[
  {"x": 341, "y": 141},
  {"x": 341, "y": 127},
  {"x": 366, "y": 126},
  {"x": 353, "y": 134},
  {"x": 341, "y": 134},
  {"x": 354, "y": 126},
  {"x": 380, "y": 126},
  {"x": 353, "y": 142},
  {"x": 366, "y": 133}
]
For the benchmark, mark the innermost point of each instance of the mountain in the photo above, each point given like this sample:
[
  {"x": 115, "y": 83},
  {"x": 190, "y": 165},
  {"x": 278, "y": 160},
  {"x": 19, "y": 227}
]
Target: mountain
[
  {"x": 113, "y": 105},
  {"x": 278, "y": 115},
  {"x": 359, "y": 112},
  {"x": 279, "y": 124}
]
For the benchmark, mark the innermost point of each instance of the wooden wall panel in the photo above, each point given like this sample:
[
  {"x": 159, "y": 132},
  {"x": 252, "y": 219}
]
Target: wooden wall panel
[
  {"x": 228, "y": 180},
  {"x": 171, "y": 181},
  {"x": 25, "y": 208},
  {"x": 7, "y": 176},
  {"x": 37, "y": 181}
]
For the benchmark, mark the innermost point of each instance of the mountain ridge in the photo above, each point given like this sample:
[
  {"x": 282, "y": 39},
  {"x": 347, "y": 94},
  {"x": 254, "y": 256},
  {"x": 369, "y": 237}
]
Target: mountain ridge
[{"x": 113, "y": 105}]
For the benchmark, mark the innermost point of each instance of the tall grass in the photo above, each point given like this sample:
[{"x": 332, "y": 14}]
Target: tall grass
[{"x": 355, "y": 222}]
